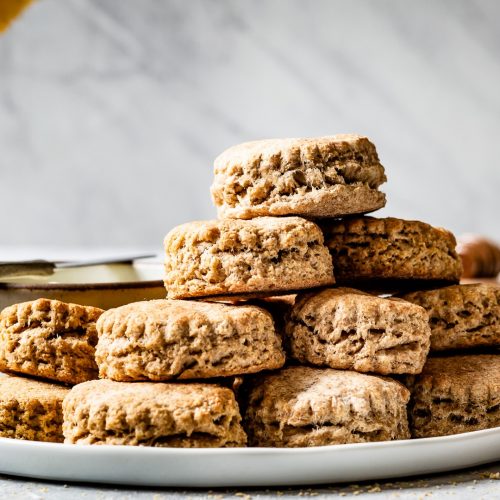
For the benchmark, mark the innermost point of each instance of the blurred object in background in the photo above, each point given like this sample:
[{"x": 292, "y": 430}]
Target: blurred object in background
[
  {"x": 480, "y": 256},
  {"x": 9, "y": 10}
]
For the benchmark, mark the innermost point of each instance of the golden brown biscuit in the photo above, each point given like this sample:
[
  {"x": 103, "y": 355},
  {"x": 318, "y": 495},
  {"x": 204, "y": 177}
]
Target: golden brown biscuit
[
  {"x": 301, "y": 406},
  {"x": 152, "y": 414},
  {"x": 267, "y": 255},
  {"x": 461, "y": 316},
  {"x": 370, "y": 249},
  {"x": 168, "y": 339},
  {"x": 348, "y": 329},
  {"x": 313, "y": 177},
  {"x": 455, "y": 394},
  {"x": 30, "y": 409},
  {"x": 49, "y": 339}
]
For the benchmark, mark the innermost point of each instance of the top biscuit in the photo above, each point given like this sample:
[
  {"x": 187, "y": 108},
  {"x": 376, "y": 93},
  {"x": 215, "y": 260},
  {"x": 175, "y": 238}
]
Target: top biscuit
[
  {"x": 314, "y": 177},
  {"x": 369, "y": 249}
]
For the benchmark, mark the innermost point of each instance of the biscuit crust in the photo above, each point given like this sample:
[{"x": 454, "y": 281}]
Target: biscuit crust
[
  {"x": 312, "y": 177},
  {"x": 31, "y": 409},
  {"x": 267, "y": 255},
  {"x": 366, "y": 248},
  {"x": 180, "y": 339},
  {"x": 455, "y": 394},
  {"x": 461, "y": 316},
  {"x": 152, "y": 414},
  {"x": 301, "y": 406},
  {"x": 49, "y": 339},
  {"x": 351, "y": 330}
]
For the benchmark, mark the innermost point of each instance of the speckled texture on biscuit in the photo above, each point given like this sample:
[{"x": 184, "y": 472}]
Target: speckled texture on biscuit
[
  {"x": 49, "y": 339},
  {"x": 388, "y": 248},
  {"x": 30, "y": 409},
  {"x": 264, "y": 255},
  {"x": 167, "y": 339},
  {"x": 461, "y": 316},
  {"x": 301, "y": 406},
  {"x": 152, "y": 414},
  {"x": 348, "y": 329},
  {"x": 313, "y": 177},
  {"x": 455, "y": 394}
]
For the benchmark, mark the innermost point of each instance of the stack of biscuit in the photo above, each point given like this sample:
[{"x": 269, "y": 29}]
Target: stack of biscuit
[
  {"x": 45, "y": 346},
  {"x": 292, "y": 320}
]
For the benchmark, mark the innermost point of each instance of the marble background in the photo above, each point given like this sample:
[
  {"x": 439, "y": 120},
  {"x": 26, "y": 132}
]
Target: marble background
[{"x": 111, "y": 111}]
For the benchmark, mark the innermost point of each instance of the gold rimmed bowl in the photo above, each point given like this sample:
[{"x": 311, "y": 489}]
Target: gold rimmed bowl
[{"x": 104, "y": 286}]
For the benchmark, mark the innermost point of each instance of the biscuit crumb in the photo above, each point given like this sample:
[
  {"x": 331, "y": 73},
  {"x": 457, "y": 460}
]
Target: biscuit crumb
[{"x": 245, "y": 496}]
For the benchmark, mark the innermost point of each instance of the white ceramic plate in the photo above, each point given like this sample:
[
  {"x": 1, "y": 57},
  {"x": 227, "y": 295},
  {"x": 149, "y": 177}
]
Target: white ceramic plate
[{"x": 247, "y": 466}]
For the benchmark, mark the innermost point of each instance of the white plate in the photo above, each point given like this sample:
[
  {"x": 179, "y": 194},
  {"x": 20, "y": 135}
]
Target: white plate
[{"x": 247, "y": 466}]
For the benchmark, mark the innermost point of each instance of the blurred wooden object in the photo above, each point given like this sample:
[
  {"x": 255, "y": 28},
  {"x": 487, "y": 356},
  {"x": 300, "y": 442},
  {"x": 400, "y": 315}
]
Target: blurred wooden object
[
  {"x": 480, "y": 256},
  {"x": 9, "y": 10}
]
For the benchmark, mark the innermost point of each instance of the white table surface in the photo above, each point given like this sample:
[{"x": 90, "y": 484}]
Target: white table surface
[{"x": 479, "y": 483}]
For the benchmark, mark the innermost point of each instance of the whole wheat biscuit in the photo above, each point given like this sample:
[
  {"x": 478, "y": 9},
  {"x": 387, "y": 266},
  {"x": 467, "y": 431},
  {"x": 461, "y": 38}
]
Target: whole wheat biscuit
[
  {"x": 461, "y": 316},
  {"x": 49, "y": 339},
  {"x": 263, "y": 255},
  {"x": 455, "y": 394},
  {"x": 348, "y": 329},
  {"x": 152, "y": 414},
  {"x": 302, "y": 406},
  {"x": 167, "y": 339},
  {"x": 366, "y": 248},
  {"x": 313, "y": 177},
  {"x": 30, "y": 409}
]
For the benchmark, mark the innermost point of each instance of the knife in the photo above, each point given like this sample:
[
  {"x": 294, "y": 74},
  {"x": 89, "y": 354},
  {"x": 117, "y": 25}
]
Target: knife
[{"x": 40, "y": 267}]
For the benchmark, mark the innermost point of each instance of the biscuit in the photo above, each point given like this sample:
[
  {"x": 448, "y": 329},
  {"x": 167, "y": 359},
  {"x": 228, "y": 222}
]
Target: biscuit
[
  {"x": 366, "y": 248},
  {"x": 168, "y": 339},
  {"x": 152, "y": 414},
  {"x": 302, "y": 406},
  {"x": 351, "y": 330},
  {"x": 315, "y": 177},
  {"x": 264, "y": 255},
  {"x": 461, "y": 316},
  {"x": 455, "y": 394},
  {"x": 30, "y": 409},
  {"x": 49, "y": 339}
]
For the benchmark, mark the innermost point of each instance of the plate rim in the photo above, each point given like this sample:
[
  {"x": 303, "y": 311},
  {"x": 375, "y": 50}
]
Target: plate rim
[{"x": 144, "y": 466}]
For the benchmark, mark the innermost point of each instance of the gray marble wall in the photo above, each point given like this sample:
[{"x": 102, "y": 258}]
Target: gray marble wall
[{"x": 111, "y": 111}]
